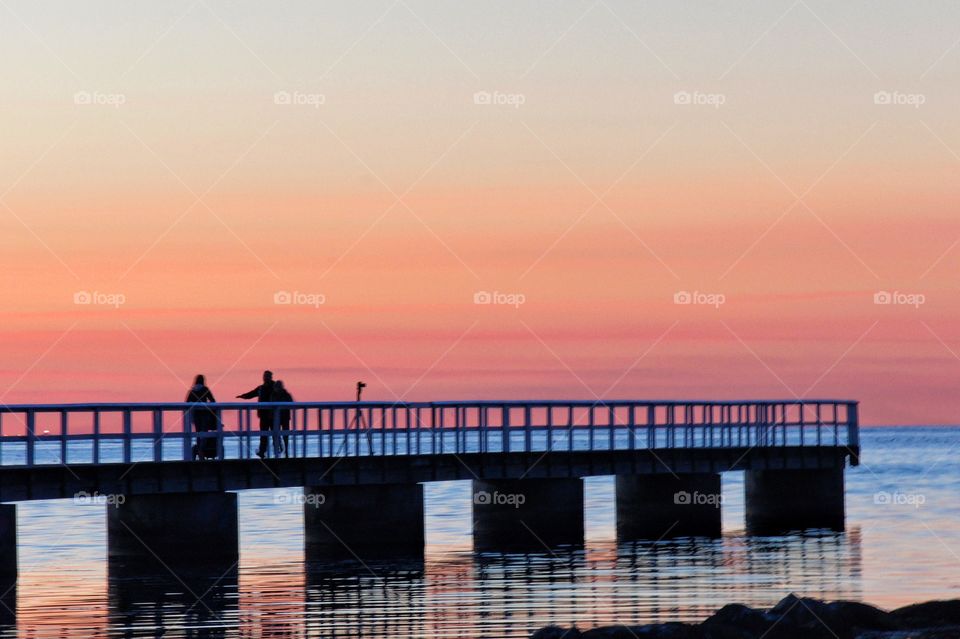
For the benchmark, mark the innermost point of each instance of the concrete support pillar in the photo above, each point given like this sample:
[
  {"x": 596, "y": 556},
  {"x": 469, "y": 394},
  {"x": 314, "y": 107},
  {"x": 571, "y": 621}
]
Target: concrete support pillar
[
  {"x": 527, "y": 514},
  {"x": 779, "y": 501},
  {"x": 363, "y": 522},
  {"x": 8, "y": 543},
  {"x": 176, "y": 531},
  {"x": 666, "y": 506}
]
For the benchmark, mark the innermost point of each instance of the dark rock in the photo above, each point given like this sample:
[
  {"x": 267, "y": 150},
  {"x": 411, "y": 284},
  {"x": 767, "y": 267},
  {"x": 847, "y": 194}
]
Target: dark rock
[
  {"x": 794, "y": 618},
  {"x": 928, "y": 615},
  {"x": 951, "y": 632},
  {"x": 651, "y": 631},
  {"x": 804, "y": 617},
  {"x": 554, "y": 632},
  {"x": 736, "y": 621}
]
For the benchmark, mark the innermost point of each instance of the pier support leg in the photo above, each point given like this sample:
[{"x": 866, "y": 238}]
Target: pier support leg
[
  {"x": 175, "y": 531},
  {"x": 527, "y": 514},
  {"x": 666, "y": 506},
  {"x": 779, "y": 501},
  {"x": 8, "y": 543},
  {"x": 365, "y": 522}
]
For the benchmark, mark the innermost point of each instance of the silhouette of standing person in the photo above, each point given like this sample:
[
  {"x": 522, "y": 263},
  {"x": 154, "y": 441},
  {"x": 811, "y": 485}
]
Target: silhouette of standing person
[
  {"x": 204, "y": 419},
  {"x": 280, "y": 394},
  {"x": 263, "y": 393}
]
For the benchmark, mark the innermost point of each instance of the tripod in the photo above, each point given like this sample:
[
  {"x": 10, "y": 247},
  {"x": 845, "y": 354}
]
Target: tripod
[{"x": 358, "y": 422}]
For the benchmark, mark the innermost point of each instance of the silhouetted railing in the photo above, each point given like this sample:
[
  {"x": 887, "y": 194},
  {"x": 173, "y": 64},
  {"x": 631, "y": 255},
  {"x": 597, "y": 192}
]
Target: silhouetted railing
[{"x": 39, "y": 434}]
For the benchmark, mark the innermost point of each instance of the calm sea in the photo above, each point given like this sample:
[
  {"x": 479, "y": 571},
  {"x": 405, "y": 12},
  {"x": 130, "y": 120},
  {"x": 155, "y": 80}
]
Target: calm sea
[{"x": 902, "y": 545}]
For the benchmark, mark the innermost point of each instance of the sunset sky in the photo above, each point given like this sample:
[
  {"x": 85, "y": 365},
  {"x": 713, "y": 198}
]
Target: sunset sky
[{"x": 183, "y": 165}]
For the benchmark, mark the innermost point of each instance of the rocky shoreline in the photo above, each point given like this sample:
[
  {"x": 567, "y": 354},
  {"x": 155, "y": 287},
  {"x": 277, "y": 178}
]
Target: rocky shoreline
[{"x": 793, "y": 618}]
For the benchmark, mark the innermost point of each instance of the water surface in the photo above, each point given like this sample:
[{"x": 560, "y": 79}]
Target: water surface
[{"x": 902, "y": 545}]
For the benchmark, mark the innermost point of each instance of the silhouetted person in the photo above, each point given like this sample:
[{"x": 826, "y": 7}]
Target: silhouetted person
[
  {"x": 280, "y": 394},
  {"x": 263, "y": 393},
  {"x": 204, "y": 419}
]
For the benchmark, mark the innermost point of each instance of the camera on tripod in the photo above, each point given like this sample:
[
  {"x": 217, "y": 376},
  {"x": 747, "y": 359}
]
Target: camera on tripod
[{"x": 358, "y": 424}]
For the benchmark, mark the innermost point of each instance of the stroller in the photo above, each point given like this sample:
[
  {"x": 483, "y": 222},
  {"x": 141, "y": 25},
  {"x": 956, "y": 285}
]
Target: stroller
[{"x": 205, "y": 421}]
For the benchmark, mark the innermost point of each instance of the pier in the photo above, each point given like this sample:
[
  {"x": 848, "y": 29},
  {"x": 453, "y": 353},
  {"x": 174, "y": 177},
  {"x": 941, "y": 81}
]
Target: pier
[{"x": 363, "y": 465}]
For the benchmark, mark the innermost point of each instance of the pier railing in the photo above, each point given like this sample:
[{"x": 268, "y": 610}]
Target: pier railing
[{"x": 39, "y": 434}]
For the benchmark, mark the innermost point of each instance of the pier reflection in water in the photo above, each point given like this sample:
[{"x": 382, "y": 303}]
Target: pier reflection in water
[
  {"x": 454, "y": 594},
  {"x": 196, "y": 602}
]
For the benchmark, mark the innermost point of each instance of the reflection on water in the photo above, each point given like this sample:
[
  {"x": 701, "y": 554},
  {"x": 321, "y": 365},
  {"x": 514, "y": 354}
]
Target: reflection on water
[
  {"x": 373, "y": 600},
  {"x": 892, "y": 554},
  {"x": 8, "y": 604},
  {"x": 461, "y": 594},
  {"x": 189, "y": 604}
]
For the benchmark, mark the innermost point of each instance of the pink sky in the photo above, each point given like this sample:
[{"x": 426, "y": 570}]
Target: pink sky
[{"x": 398, "y": 199}]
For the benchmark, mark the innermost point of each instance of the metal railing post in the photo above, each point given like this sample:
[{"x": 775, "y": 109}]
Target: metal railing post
[
  {"x": 96, "y": 436},
  {"x": 127, "y": 436},
  {"x": 64, "y": 428},
  {"x": 612, "y": 421},
  {"x": 157, "y": 435},
  {"x": 186, "y": 434},
  {"x": 505, "y": 425},
  {"x": 393, "y": 426},
  {"x": 803, "y": 422},
  {"x": 549, "y": 427},
  {"x": 528, "y": 434},
  {"x": 221, "y": 440},
  {"x": 482, "y": 428},
  {"x": 590, "y": 424},
  {"x": 275, "y": 440},
  {"x": 651, "y": 427},
  {"x": 31, "y": 437},
  {"x": 853, "y": 425},
  {"x": 819, "y": 426},
  {"x": 417, "y": 422}
]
